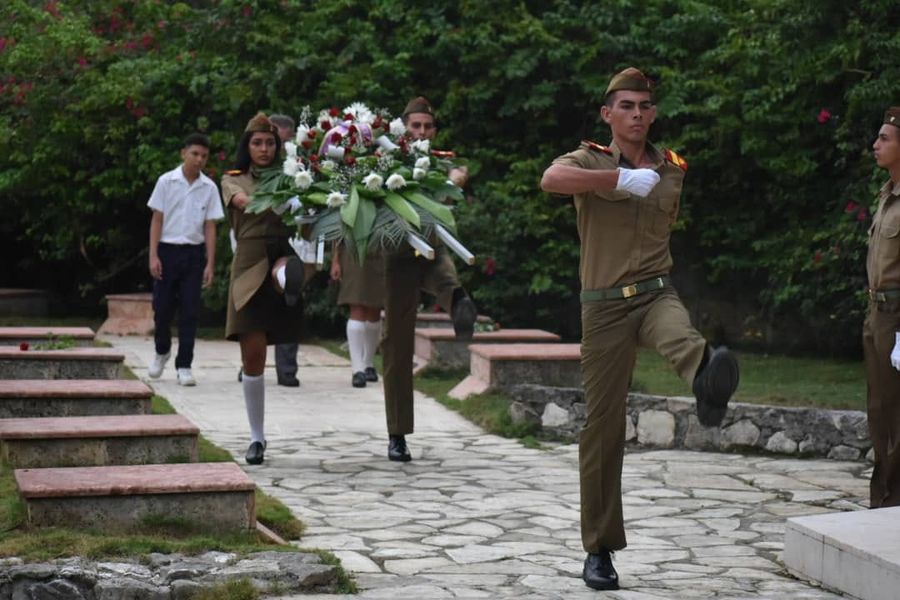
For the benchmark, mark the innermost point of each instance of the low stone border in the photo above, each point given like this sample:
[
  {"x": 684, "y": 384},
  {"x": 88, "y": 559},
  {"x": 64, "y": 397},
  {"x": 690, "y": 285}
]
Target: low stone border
[
  {"x": 164, "y": 576},
  {"x": 661, "y": 422}
]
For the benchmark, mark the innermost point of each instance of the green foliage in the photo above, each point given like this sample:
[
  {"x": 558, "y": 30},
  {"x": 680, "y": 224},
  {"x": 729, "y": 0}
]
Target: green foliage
[{"x": 774, "y": 103}]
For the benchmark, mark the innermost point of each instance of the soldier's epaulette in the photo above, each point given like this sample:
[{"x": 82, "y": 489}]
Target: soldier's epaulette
[
  {"x": 596, "y": 147},
  {"x": 676, "y": 160},
  {"x": 443, "y": 153},
  {"x": 233, "y": 172}
]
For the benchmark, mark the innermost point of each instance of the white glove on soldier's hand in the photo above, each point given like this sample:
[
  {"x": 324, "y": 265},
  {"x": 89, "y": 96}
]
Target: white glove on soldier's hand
[
  {"x": 895, "y": 353},
  {"x": 305, "y": 250},
  {"x": 233, "y": 240},
  {"x": 637, "y": 181},
  {"x": 292, "y": 203}
]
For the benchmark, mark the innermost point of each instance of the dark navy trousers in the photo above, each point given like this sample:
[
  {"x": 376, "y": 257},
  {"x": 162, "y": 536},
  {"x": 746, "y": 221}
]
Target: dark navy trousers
[{"x": 179, "y": 289}]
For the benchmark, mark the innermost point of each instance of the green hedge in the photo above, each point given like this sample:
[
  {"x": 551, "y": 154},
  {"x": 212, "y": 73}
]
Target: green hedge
[{"x": 774, "y": 104}]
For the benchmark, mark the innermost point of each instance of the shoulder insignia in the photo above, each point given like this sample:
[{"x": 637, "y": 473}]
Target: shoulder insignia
[
  {"x": 233, "y": 172},
  {"x": 443, "y": 153},
  {"x": 676, "y": 160},
  {"x": 596, "y": 147}
]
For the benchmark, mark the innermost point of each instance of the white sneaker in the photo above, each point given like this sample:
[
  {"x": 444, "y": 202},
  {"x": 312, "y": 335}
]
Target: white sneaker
[
  {"x": 159, "y": 363},
  {"x": 185, "y": 377}
]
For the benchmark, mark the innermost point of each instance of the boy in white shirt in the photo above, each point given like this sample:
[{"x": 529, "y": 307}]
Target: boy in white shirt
[{"x": 186, "y": 204}]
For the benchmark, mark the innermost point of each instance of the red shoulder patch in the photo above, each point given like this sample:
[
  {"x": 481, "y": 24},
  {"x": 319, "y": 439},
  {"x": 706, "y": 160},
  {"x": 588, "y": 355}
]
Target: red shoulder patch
[
  {"x": 596, "y": 147},
  {"x": 676, "y": 160},
  {"x": 443, "y": 153},
  {"x": 233, "y": 172}
]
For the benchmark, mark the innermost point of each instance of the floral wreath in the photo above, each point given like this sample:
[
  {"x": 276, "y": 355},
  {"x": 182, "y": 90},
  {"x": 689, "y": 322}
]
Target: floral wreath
[{"x": 352, "y": 175}]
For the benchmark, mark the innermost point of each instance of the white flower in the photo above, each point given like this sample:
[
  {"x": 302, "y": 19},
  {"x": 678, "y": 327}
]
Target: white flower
[
  {"x": 361, "y": 112},
  {"x": 423, "y": 162},
  {"x": 328, "y": 165},
  {"x": 303, "y": 179},
  {"x": 290, "y": 166},
  {"x": 419, "y": 173},
  {"x": 335, "y": 199},
  {"x": 290, "y": 148},
  {"x": 302, "y": 134},
  {"x": 395, "y": 182},
  {"x": 397, "y": 127},
  {"x": 422, "y": 146},
  {"x": 373, "y": 181}
]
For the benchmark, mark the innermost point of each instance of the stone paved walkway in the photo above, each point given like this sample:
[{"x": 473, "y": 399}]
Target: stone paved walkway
[{"x": 478, "y": 516}]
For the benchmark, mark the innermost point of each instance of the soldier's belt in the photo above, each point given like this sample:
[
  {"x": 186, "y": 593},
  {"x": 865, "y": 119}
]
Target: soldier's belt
[
  {"x": 649, "y": 285},
  {"x": 883, "y": 295}
]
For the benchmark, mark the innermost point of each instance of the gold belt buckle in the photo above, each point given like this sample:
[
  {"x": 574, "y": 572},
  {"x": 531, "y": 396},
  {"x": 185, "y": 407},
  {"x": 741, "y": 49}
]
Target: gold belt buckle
[{"x": 629, "y": 290}]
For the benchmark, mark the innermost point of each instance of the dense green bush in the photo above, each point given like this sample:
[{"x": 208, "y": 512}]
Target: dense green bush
[{"x": 774, "y": 104}]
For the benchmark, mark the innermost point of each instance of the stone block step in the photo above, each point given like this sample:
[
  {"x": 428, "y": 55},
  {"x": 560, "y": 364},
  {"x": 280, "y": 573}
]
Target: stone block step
[
  {"x": 23, "y": 398},
  {"x": 439, "y": 346},
  {"x": 98, "y": 441},
  {"x": 23, "y": 302},
  {"x": 857, "y": 553},
  {"x": 504, "y": 365},
  {"x": 74, "y": 363},
  {"x": 219, "y": 495},
  {"x": 13, "y": 336},
  {"x": 426, "y": 320},
  {"x": 128, "y": 314}
]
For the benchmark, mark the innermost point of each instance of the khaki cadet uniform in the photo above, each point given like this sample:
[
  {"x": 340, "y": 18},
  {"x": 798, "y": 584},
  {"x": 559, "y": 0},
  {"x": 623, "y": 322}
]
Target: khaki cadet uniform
[
  {"x": 406, "y": 274},
  {"x": 627, "y": 301},
  {"x": 361, "y": 284},
  {"x": 882, "y": 322},
  {"x": 253, "y": 302}
]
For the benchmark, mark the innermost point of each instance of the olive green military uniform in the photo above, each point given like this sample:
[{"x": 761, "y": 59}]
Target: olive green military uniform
[
  {"x": 882, "y": 322},
  {"x": 406, "y": 274},
  {"x": 624, "y": 241},
  {"x": 361, "y": 284},
  {"x": 253, "y": 302}
]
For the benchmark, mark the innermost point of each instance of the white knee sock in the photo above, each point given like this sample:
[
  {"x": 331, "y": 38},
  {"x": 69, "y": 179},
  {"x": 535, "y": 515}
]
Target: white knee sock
[
  {"x": 356, "y": 340},
  {"x": 373, "y": 338},
  {"x": 255, "y": 401},
  {"x": 281, "y": 276}
]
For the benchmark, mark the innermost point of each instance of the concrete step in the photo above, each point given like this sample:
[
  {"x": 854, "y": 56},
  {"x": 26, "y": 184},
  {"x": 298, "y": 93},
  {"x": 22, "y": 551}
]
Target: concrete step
[
  {"x": 426, "y": 320},
  {"x": 98, "y": 441},
  {"x": 857, "y": 553},
  {"x": 74, "y": 363},
  {"x": 128, "y": 314},
  {"x": 13, "y": 336},
  {"x": 505, "y": 365},
  {"x": 219, "y": 495},
  {"x": 439, "y": 346},
  {"x": 24, "y": 398}
]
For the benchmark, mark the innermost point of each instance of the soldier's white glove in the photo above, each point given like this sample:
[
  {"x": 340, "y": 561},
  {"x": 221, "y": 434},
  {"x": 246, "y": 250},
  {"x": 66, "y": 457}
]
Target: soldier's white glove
[
  {"x": 305, "y": 250},
  {"x": 895, "y": 353},
  {"x": 293, "y": 203},
  {"x": 637, "y": 181}
]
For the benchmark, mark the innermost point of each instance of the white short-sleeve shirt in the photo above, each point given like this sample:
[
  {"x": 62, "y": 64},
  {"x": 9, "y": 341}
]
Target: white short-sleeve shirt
[{"x": 185, "y": 206}]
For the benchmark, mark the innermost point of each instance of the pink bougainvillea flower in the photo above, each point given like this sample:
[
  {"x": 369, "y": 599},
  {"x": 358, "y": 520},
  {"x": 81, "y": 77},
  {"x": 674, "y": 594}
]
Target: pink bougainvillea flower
[
  {"x": 824, "y": 116},
  {"x": 490, "y": 266},
  {"x": 851, "y": 206}
]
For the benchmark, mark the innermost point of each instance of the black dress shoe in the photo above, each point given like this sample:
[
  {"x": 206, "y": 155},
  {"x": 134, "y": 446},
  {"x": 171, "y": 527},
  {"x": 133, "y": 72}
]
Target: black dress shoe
[
  {"x": 463, "y": 314},
  {"x": 599, "y": 573},
  {"x": 371, "y": 374},
  {"x": 255, "y": 453},
  {"x": 293, "y": 280},
  {"x": 289, "y": 381},
  {"x": 240, "y": 375},
  {"x": 714, "y": 385},
  {"x": 359, "y": 379},
  {"x": 397, "y": 449}
]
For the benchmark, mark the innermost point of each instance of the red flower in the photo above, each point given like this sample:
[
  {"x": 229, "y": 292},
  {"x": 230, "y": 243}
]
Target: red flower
[
  {"x": 490, "y": 266},
  {"x": 306, "y": 144},
  {"x": 350, "y": 159},
  {"x": 824, "y": 116},
  {"x": 334, "y": 112},
  {"x": 313, "y": 158},
  {"x": 817, "y": 257},
  {"x": 851, "y": 206},
  {"x": 352, "y": 129},
  {"x": 335, "y": 138},
  {"x": 23, "y": 346},
  {"x": 862, "y": 214},
  {"x": 325, "y": 125},
  {"x": 52, "y": 8},
  {"x": 139, "y": 112},
  {"x": 82, "y": 62},
  {"x": 147, "y": 41},
  {"x": 311, "y": 134},
  {"x": 348, "y": 116},
  {"x": 377, "y": 123}
]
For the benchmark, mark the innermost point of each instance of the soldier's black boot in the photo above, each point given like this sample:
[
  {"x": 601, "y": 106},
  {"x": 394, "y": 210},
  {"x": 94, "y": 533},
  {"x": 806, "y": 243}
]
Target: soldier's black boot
[
  {"x": 463, "y": 313},
  {"x": 599, "y": 572},
  {"x": 293, "y": 280},
  {"x": 715, "y": 383},
  {"x": 397, "y": 449}
]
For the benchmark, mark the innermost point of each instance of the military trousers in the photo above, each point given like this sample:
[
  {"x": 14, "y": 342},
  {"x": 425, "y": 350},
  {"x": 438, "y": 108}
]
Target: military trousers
[
  {"x": 883, "y": 401},
  {"x": 612, "y": 331},
  {"x": 405, "y": 275}
]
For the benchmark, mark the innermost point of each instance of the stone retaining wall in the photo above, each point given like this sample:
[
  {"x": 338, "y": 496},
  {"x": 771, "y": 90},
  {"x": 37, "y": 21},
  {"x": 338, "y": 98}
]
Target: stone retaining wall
[{"x": 661, "y": 422}]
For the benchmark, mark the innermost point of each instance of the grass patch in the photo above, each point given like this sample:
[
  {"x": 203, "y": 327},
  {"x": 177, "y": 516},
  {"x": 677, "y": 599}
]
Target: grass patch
[
  {"x": 237, "y": 589},
  {"x": 345, "y": 583}
]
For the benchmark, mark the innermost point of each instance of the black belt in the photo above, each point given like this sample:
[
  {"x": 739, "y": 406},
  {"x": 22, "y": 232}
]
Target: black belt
[
  {"x": 649, "y": 285},
  {"x": 883, "y": 295}
]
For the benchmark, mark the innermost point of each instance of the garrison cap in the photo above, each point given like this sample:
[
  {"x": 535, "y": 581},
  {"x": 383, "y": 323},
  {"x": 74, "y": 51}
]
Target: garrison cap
[
  {"x": 261, "y": 123},
  {"x": 892, "y": 116},
  {"x": 418, "y": 105},
  {"x": 630, "y": 79}
]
